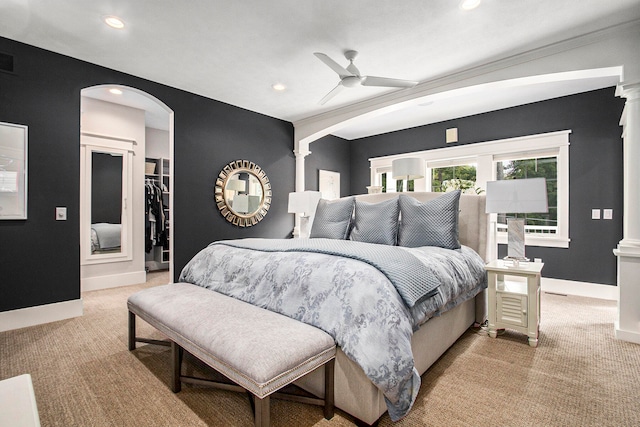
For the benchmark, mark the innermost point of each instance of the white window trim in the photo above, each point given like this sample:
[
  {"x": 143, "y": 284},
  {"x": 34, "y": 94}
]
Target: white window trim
[{"x": 484, "y": 155}]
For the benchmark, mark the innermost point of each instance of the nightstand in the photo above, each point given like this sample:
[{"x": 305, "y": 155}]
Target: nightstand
[{"x": 514, "y": 297}]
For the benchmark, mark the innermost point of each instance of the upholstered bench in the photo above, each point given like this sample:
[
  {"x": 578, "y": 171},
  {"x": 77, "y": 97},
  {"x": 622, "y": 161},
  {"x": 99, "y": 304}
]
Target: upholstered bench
[{"x": 259, "y": 350}]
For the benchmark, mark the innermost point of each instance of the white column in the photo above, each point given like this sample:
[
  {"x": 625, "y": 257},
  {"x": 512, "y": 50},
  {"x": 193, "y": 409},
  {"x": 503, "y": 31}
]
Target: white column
[
  {"x": 627, "y": 327},
  {"x": 301, "y": 151}
]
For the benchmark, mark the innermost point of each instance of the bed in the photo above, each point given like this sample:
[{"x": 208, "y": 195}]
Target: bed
[
  {"x": 392, "y": 308},
  {"x": 105, "y": 237}
]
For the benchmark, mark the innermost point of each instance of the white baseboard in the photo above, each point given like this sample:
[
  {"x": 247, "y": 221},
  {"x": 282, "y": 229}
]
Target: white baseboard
[
  {"x": 112, "y": 281},
  {"x": 31, "y": 316},
  {"x": 582, "y": 289},
  {"x": 630, "y": 336}
]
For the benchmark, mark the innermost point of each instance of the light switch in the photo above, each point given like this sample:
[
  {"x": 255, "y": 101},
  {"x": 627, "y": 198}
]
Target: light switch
[
  {"x": 61, "y": 213},
  {"x": 595, "y": 213},
  {"x": 607, "y": 213}
]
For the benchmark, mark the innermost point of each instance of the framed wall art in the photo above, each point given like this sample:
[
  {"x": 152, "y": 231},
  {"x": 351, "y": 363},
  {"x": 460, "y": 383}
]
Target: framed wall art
[
  {"x": 329, "y": 184},
  {"x": 13, "y": 171}
]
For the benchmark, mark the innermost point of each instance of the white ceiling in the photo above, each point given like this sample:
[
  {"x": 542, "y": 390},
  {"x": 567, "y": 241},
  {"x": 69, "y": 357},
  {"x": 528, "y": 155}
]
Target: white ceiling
[{"x": 235, "y": 51}]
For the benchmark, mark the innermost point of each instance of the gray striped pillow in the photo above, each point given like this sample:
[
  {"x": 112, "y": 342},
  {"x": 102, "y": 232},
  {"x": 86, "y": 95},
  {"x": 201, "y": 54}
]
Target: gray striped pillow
[{"x": 434, "y": 223}]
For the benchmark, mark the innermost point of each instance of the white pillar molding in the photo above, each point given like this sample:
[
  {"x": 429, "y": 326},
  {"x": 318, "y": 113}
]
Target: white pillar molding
[
  {"x": 300, "y": 169},
  {"x": 627, "y": 327},
  {"x": 630, "y": 123},
  {"x": 301, "y": 151}
]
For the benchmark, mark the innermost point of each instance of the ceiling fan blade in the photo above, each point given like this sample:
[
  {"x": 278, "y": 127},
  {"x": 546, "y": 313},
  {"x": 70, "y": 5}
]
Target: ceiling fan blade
[
  {"x": 342, "y": 72},
  {"x": 336, "y": 90},
  {"x": 386, "y": 82}
]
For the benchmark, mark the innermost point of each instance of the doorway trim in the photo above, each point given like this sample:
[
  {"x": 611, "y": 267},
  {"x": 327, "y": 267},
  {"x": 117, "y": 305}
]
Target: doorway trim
[{"x": 153, "y": 107}]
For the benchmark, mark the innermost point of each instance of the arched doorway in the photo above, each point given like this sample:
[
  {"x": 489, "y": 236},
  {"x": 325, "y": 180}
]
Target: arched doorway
[{"x": 128, "y": 128}]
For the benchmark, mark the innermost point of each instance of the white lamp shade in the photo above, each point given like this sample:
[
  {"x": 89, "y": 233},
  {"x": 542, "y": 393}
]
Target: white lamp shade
[
  {"x": 304, "y": 202},
  {"x": 517, "y": 196},
  {"x": 236, "y": 185},
  {"x": 407, "y": 168}
]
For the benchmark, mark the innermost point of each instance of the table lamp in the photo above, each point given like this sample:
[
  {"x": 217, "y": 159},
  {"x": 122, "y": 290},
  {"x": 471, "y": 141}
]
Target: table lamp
[
  {"x": 517, "y": 196},
  {"x": 304, "y": 203}
]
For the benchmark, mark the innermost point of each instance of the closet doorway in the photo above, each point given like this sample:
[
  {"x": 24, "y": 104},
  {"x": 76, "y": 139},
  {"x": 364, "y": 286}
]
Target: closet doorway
[{"x": 112, "y": 117}]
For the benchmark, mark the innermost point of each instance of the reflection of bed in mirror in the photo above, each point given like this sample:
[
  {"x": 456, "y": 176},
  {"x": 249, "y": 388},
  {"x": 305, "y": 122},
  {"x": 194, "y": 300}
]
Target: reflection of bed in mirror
[{"x": 105, "y": 238}]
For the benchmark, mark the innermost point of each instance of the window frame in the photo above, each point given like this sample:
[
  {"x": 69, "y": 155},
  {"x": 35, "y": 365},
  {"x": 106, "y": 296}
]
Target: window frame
[{"x": 485, "y": 155}]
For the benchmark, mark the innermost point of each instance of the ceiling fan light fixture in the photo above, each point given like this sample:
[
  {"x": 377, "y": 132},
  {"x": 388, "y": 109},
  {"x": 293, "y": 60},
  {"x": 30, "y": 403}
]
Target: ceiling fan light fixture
[
  {"x": 469, "y": 4},
  {"x": 114, "y": 22},
  {"x": 115, "y": 91},
  {"x": 351, "y": 81}
]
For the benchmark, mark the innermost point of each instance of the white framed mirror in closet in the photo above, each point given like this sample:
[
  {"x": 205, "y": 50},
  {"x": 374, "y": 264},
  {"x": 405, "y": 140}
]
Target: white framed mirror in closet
[{"x": 106, "y": 187}]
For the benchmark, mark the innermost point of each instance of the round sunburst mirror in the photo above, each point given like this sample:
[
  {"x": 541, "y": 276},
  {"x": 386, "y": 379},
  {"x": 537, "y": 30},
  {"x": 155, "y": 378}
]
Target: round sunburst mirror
[{"x": 243, "y": 193}]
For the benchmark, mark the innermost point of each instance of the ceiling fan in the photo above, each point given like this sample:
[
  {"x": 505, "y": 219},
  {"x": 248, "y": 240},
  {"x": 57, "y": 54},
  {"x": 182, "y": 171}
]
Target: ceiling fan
[{"x": 350, "y": 76}]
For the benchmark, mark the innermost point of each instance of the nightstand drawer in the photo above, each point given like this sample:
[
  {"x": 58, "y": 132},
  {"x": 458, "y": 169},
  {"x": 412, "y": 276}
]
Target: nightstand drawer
[{"x": 512, "y": 309}]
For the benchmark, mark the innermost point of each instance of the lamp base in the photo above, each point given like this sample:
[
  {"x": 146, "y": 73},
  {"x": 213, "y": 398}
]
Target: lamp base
[
  {"x": 515, "y": 239},
  {"x": 305, "y": 228}
]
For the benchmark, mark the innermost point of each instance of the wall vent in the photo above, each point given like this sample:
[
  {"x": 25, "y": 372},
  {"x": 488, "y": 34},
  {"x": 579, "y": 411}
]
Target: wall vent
[{"x": 6, "y": 62}]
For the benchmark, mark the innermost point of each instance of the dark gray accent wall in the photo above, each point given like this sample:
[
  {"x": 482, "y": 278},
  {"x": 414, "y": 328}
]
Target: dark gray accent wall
[
  {"x": 40, "y": 256},
  {"x": 330, "y": 153},
  {"x": 595, "y": 170}
]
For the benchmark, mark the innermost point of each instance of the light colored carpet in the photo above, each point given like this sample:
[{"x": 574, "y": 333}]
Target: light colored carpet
[{"x": 580, "y": 375}]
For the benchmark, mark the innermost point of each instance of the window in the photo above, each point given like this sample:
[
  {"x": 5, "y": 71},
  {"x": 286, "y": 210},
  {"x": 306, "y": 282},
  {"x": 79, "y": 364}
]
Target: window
[
  {"x": 462, "y": 177},
  {"x": 390, "y": 185},
  {"x": 470, "y": 166},
  {"x": 543, "y": 167}
]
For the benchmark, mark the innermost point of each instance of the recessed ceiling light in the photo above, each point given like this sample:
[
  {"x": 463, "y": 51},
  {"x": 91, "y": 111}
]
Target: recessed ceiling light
[
  {"x": 279, "y": 87},
  {"x": 115, "y": 91},
  {"x": 114, "y": 22},
  {"x": 469, "y": 4}
]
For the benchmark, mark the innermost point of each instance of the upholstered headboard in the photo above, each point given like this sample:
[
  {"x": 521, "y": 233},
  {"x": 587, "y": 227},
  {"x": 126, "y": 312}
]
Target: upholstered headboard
[{"x": 473, "y": 226}]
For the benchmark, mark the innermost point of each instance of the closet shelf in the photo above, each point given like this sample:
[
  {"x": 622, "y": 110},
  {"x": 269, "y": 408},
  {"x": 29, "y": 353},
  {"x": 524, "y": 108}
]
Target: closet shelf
[{"x": 159, "y": 255}]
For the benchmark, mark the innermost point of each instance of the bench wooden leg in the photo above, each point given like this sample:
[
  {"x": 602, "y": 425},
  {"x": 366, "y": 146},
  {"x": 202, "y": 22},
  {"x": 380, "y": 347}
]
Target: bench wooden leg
[
  {"x": 132, "y": 331},
  {"x": 262, "y": 411},
  {"x": 328, "y": 389},
  {"x": 176, "y": 365}
]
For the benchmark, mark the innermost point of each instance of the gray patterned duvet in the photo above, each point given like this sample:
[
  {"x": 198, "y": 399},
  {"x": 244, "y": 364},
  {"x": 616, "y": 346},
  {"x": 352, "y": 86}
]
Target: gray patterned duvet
[{"x": 350, "y": 299}]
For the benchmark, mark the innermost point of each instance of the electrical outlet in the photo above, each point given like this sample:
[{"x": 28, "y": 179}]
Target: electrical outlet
[
  {"x": 607, "y": 213},
  {"x": 595, "y": 213},
  {"x": 61, "y": 213}
]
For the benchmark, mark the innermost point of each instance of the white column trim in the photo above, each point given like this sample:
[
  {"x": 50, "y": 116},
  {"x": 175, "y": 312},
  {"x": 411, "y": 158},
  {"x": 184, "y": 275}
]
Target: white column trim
[
  {"x": 301, "y": 150},
  {"x": 630, "y": 122},
  {"x": 627, "y": 327}
]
